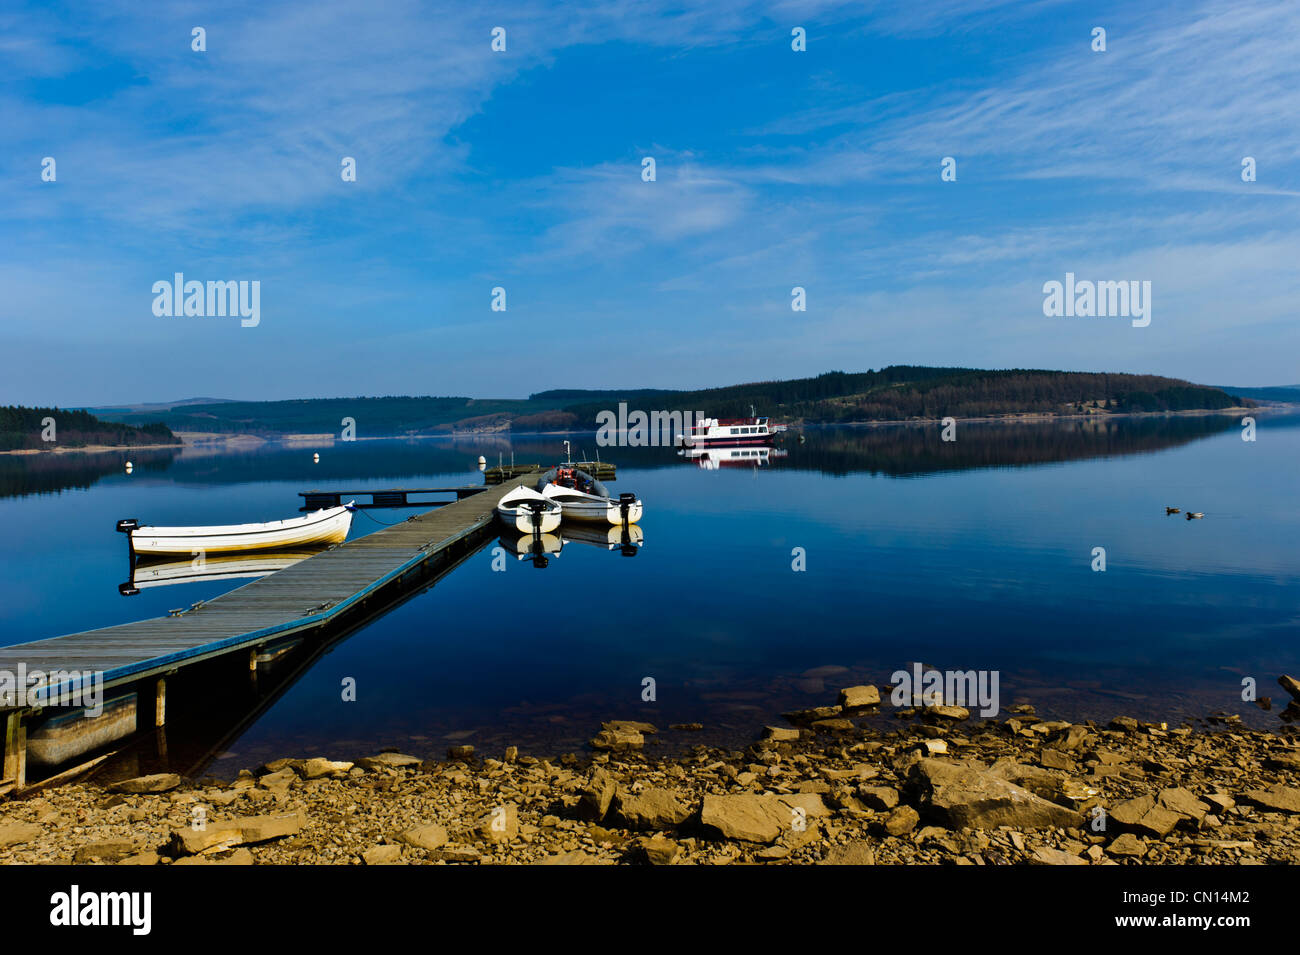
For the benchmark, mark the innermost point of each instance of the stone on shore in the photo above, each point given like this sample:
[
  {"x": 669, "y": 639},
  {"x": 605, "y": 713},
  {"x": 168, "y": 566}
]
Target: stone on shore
[
  {"x": 156, "y": 783},
  {"x": 382, "y": 855},
  {"x": 388, "y": 761},
  {"x": 112, "y": 851},
  {"x": 597, "y": 797},
  {"x": 1291, "y": 685},
  {"x": 501, "y": 824},
  {"x": 1142, "y": 815},
  {"x": 621, "y": 735},
  {"x": 431, "y": 836},
  {"x": 1278, "y": 798},
  {"x": 1128, "y": 845},
  {"x": 317, "y": 767},
  {"x": 762, "y": 818},
  {"x": 969, "y": 796},
  {"x": 17, "y": 833},
  {"x": 858, "y": 697},
  {"x": 652, "y": 808},
  {"x": 217, "y": 835},
  {"x": 855, "y": 853},
  {"x": 902, "y": 821}
]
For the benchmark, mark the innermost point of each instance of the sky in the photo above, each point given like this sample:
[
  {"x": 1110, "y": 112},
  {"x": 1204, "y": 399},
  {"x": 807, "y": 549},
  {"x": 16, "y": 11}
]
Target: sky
[{"x": 522, "y": 169}]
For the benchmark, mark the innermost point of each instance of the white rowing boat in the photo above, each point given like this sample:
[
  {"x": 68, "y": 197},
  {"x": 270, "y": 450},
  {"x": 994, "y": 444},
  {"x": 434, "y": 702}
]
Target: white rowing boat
[
  {"x": 326, "y": 526},
  {"x": 528, "y": 512},
  {"x": 582, "y": 498}
]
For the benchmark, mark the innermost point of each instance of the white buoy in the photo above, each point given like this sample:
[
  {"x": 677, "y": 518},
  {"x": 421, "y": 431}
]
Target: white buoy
[
  {"x": 129, "y": 467},
  {"x": 482, "y": 463},
  {"x": 316, "y": 458}
]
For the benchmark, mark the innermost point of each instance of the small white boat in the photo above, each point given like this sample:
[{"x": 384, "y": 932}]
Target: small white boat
[
  {"x": 582, "y": 498},
  {"x": 326, "y": 526},
  {"x": 528, "y": 512}
]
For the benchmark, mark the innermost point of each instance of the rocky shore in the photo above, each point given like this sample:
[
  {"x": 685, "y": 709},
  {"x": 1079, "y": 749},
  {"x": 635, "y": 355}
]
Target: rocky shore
[{"x": 833, "y": 786}]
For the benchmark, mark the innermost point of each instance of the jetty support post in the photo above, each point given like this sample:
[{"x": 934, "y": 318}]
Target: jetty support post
[
  {"x": 160, "y": 702},
  {"x": 15, "y": 765}
]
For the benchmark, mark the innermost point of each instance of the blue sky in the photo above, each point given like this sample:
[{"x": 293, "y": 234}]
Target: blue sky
[{"x": 522, "y": 170}]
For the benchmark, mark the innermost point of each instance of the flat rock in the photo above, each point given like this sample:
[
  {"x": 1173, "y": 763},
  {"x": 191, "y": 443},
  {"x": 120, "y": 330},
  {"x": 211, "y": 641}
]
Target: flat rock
[
  {"x": 1277, "y": 798},
  {"x": 238, "y": 857},
  {"x": 573, "y": 857},
  {"x": 1129, "y": 845},
  {"x": 856, "y": 697},
  {"x": 382, "y": 855},
  {"x": 939, "y": 712},
  {"x": 221, "y": 834},
  {"x": 430, "y": 836},
  {"x": 317, "y": 767},
  {"x": 388, "y": 761},
  {"x": 855, "y": 853},
  {"x": 1183, "y": 802},
  {"x": 879, "y": 797},
  {"x": 17, "y": 833},
  {"x": 113, "y": 851},
  {"x": 1142, "y": 815},
  {"x": 455, "y": 854},
  {"x": 157, "y": 783},
  {"x": 1045, "y": 856},
  {"x": 761, "y": 818},
  {"x": 781, "y": 734},
  {"x": 970, "y": 796},
  {"x": 652, "y": 808}
]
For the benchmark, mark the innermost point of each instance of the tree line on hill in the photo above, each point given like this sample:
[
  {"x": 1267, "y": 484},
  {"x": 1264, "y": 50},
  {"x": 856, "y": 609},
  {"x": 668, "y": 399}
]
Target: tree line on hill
[
  {"x": 28, "y": 429},
  {"x": 894, "y": 393}
]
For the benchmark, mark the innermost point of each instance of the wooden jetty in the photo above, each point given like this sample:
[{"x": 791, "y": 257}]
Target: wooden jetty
[
  {"x": 389, "y": 497},
  {"x": 309, "y": 599},
  {"x": 600, "y": 470}
]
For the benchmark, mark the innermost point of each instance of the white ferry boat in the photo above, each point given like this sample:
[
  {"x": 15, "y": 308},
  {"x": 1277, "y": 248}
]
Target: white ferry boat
[{"x": 730, "y": 433}]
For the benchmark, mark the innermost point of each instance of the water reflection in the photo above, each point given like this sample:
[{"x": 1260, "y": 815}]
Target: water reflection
[
  {"x": 713, "y": 459},
  {"x": 146, "y": 573},
  {"x": 901, "y": 450},
  {"x": 624, "y": 539},
  {"x": 539, "y": 548}
]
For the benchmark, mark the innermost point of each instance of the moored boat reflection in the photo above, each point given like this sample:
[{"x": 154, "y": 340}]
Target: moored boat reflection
[{"x": 165, "y": 573}]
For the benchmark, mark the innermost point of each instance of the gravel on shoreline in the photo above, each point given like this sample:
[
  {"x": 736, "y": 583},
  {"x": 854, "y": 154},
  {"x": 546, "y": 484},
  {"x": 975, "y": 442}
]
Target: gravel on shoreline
[{"x": 939, "y": 788}]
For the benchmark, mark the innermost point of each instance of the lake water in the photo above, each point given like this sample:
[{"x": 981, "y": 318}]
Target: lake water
[{"x": 970, "y": 555}]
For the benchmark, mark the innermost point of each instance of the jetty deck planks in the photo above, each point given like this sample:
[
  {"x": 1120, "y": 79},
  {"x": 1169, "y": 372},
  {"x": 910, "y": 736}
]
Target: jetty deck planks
[{"x": 305, "y": 596}]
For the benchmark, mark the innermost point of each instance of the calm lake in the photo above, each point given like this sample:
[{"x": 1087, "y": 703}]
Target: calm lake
[{"x": 975, "y": 554}]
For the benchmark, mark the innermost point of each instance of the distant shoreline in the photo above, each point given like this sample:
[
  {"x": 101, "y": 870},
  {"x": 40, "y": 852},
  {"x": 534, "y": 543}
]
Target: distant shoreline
[
  {"x": 92, "y": 449},
  {"x": 201, "y": 439}
]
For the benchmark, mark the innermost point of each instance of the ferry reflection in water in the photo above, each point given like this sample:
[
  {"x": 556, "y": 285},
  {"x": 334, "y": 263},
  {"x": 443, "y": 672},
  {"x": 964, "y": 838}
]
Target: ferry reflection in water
[{"x": 712, "y": 459}]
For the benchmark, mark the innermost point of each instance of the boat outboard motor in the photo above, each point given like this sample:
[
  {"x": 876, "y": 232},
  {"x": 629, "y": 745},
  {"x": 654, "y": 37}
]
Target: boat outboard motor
[
  {"x": 625, "y": 501},
  {"x": 128, "y": 589},
  {"x": 127, "y": 526}
]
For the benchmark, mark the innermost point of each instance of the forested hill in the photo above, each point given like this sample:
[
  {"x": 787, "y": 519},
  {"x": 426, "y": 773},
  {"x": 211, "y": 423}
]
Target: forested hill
[
  {"x": 896, "y": 393},
  {"x": 902, "y": 392},
  {"x": 27, "y": 428}
]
